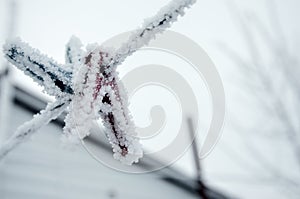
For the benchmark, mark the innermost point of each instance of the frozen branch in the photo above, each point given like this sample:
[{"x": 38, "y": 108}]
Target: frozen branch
[
  {"x": 51, "y": 112},
  {"x": 276, "y": 78},
  {"x": 151, "y": 27}
]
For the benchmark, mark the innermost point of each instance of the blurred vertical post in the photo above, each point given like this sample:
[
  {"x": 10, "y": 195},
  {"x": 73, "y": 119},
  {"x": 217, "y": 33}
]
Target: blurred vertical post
[
  {"x": 200, "y": 185},
  {"x": 5, "y": 81}
]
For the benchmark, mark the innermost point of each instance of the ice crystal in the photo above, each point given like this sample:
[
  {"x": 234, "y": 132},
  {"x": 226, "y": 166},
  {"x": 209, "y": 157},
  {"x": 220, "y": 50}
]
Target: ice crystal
[{"x": 89, "y": 85}]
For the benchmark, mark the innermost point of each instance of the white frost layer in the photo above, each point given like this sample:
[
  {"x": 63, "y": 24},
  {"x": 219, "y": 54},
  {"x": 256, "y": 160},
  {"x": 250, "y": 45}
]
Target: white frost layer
[
  {"x": 91, "y": 85},
  {"x": 95, "y": 84},
  {"x": 73, "y": 50},
  {"x": 37, "y": 66},
  {"x": 151, "y": 27},
  {"x": 51, "y": 112}
]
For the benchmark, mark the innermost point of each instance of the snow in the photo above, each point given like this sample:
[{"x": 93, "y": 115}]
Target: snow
[{"x": 90, "y": 83}]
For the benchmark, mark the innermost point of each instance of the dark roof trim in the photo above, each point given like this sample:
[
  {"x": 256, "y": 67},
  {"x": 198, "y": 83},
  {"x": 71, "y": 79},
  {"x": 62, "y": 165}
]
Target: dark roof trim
[{"x": 34, "y": 108}]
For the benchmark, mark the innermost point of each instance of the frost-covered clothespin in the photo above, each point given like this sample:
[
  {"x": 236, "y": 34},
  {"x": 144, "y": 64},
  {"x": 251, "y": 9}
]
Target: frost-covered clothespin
[
  {"x": 100, "y": 93},
  {"x": 89, "y": 84}
]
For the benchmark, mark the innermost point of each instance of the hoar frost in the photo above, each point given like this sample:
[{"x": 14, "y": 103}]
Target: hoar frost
[{"x": 89, "y": 86}]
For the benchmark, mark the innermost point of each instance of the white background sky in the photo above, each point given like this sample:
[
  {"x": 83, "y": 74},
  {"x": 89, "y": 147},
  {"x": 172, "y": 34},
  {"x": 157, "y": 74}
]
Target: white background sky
[{"x": 47, "y": 25}]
